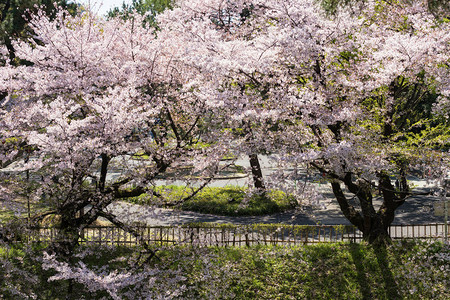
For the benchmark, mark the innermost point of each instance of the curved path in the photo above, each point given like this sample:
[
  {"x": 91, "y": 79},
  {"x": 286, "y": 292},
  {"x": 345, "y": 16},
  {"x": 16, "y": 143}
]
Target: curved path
[{"x": 416, "y": 210}]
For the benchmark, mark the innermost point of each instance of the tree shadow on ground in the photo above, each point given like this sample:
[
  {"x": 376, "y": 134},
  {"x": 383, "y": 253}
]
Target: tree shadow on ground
[
  {"x": 390, "y": 284},
  {"x": 357, "y": 253}
]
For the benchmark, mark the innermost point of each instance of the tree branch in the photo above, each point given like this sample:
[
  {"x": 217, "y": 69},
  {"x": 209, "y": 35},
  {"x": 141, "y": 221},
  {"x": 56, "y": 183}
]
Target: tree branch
[
  {"x": 174, "y": 128},
  {"x": 348, "y": 210},
  {"x": 131, "y": 230}
]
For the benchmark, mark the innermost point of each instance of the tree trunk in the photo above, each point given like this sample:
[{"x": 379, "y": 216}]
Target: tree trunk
[
  {"x": 376, "y": 230},
  {"x": 254, "y": 161},
  {"x": 68, "y": 236},
  {"x": 256, "y": 172},
  {"x": 103, "y": 171},
  {"x": 373, "y": 225}
]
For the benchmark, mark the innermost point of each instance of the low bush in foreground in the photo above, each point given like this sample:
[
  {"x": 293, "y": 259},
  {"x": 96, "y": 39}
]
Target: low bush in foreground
[
  {"x": 226, "y": 201},
  {"x": 404, "y": 270}
]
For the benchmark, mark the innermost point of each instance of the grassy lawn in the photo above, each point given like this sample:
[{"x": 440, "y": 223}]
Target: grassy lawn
[
  {"x": 226, "y": 201},
  {"x": 405, "y": 270}
]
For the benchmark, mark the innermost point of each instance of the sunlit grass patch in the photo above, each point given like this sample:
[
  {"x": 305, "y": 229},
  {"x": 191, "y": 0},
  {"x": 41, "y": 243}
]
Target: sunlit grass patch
[{"x": 228, "y": 201}]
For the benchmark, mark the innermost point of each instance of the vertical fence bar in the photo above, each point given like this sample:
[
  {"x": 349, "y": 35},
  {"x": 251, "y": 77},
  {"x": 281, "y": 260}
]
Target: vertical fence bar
[
  {"x": 320, "y": 229},
  {"x": 331, "y": 236}
]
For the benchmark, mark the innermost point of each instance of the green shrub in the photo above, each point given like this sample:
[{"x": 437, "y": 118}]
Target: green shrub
[{"x": 227, "y": 201}]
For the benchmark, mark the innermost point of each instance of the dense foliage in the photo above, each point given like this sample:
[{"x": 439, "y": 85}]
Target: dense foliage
[{"x": 405, "y": 270}]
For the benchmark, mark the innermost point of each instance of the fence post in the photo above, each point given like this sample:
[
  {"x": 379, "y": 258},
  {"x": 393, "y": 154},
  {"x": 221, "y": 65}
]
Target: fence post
[
  {"x": 320, "y": 229},
  {"x": 354, "y": 234},
  {"x": 331, "y": 235}
]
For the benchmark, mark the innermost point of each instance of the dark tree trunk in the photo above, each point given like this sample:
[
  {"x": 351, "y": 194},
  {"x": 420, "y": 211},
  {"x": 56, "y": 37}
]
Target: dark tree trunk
[
  {"x": 5, "y": 10},
  {"x": 256, "y": 172},
  {"x": 11, "y": 50},
  {"x": 103, "y": 171},
  {"x": 387, "y": 129},
  {"x": 254, "y": 161},
  {"x": 68, "y": 236},
  {"x": 376, "y": 230},
  {"x": 373, "y": 224}
]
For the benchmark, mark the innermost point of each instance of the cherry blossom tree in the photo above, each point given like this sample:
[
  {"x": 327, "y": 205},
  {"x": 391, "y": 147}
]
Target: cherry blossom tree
[
  {"x": 335, "y": 94},
  {"x": 97, "y": 94}
]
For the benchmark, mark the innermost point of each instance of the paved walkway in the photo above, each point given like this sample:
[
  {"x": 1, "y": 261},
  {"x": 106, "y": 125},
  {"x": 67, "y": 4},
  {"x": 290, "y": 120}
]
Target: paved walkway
[{"x": 416, "y": 210}]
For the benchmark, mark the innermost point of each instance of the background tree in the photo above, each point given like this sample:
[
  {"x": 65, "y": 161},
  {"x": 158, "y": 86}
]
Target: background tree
[
  {"x": 151, "y": 8},
  {"x": 14, "y": 20},
  {"x": 439, "y": 8}
]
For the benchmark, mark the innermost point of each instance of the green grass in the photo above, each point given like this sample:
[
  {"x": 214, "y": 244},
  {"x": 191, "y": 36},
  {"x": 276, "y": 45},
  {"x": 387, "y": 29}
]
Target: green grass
[
  {"x": 226, "y": 201},
  {"x": 406, "y": 270},
  {"x": 5, "y": 215}
]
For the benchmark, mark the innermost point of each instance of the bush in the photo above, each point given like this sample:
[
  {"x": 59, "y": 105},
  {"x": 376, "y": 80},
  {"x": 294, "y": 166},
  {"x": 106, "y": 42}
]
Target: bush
[{"x": 226, "y": 201}]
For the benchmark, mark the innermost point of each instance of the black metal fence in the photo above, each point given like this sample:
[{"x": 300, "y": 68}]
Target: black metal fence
[{"x": 212, "y": 234}]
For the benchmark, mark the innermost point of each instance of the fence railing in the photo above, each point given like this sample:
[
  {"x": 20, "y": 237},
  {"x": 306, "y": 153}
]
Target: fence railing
[{"x": 211, "y": 234}]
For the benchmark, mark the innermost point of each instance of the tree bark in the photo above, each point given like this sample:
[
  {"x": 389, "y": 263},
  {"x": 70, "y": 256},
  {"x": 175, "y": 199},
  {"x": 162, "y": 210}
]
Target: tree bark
[
  {"x": 348, "y": 210},
  {"x": 373, "y": 224},
  {"x": 377, "y": 230},
  {"x": 103, "y": 171},
  {"x": 256, "y": 172},
  {"x": 68, "y": 235}
]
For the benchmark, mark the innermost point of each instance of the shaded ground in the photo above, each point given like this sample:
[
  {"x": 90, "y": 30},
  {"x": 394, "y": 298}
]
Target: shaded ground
[{"x": 416, "y": 210}]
